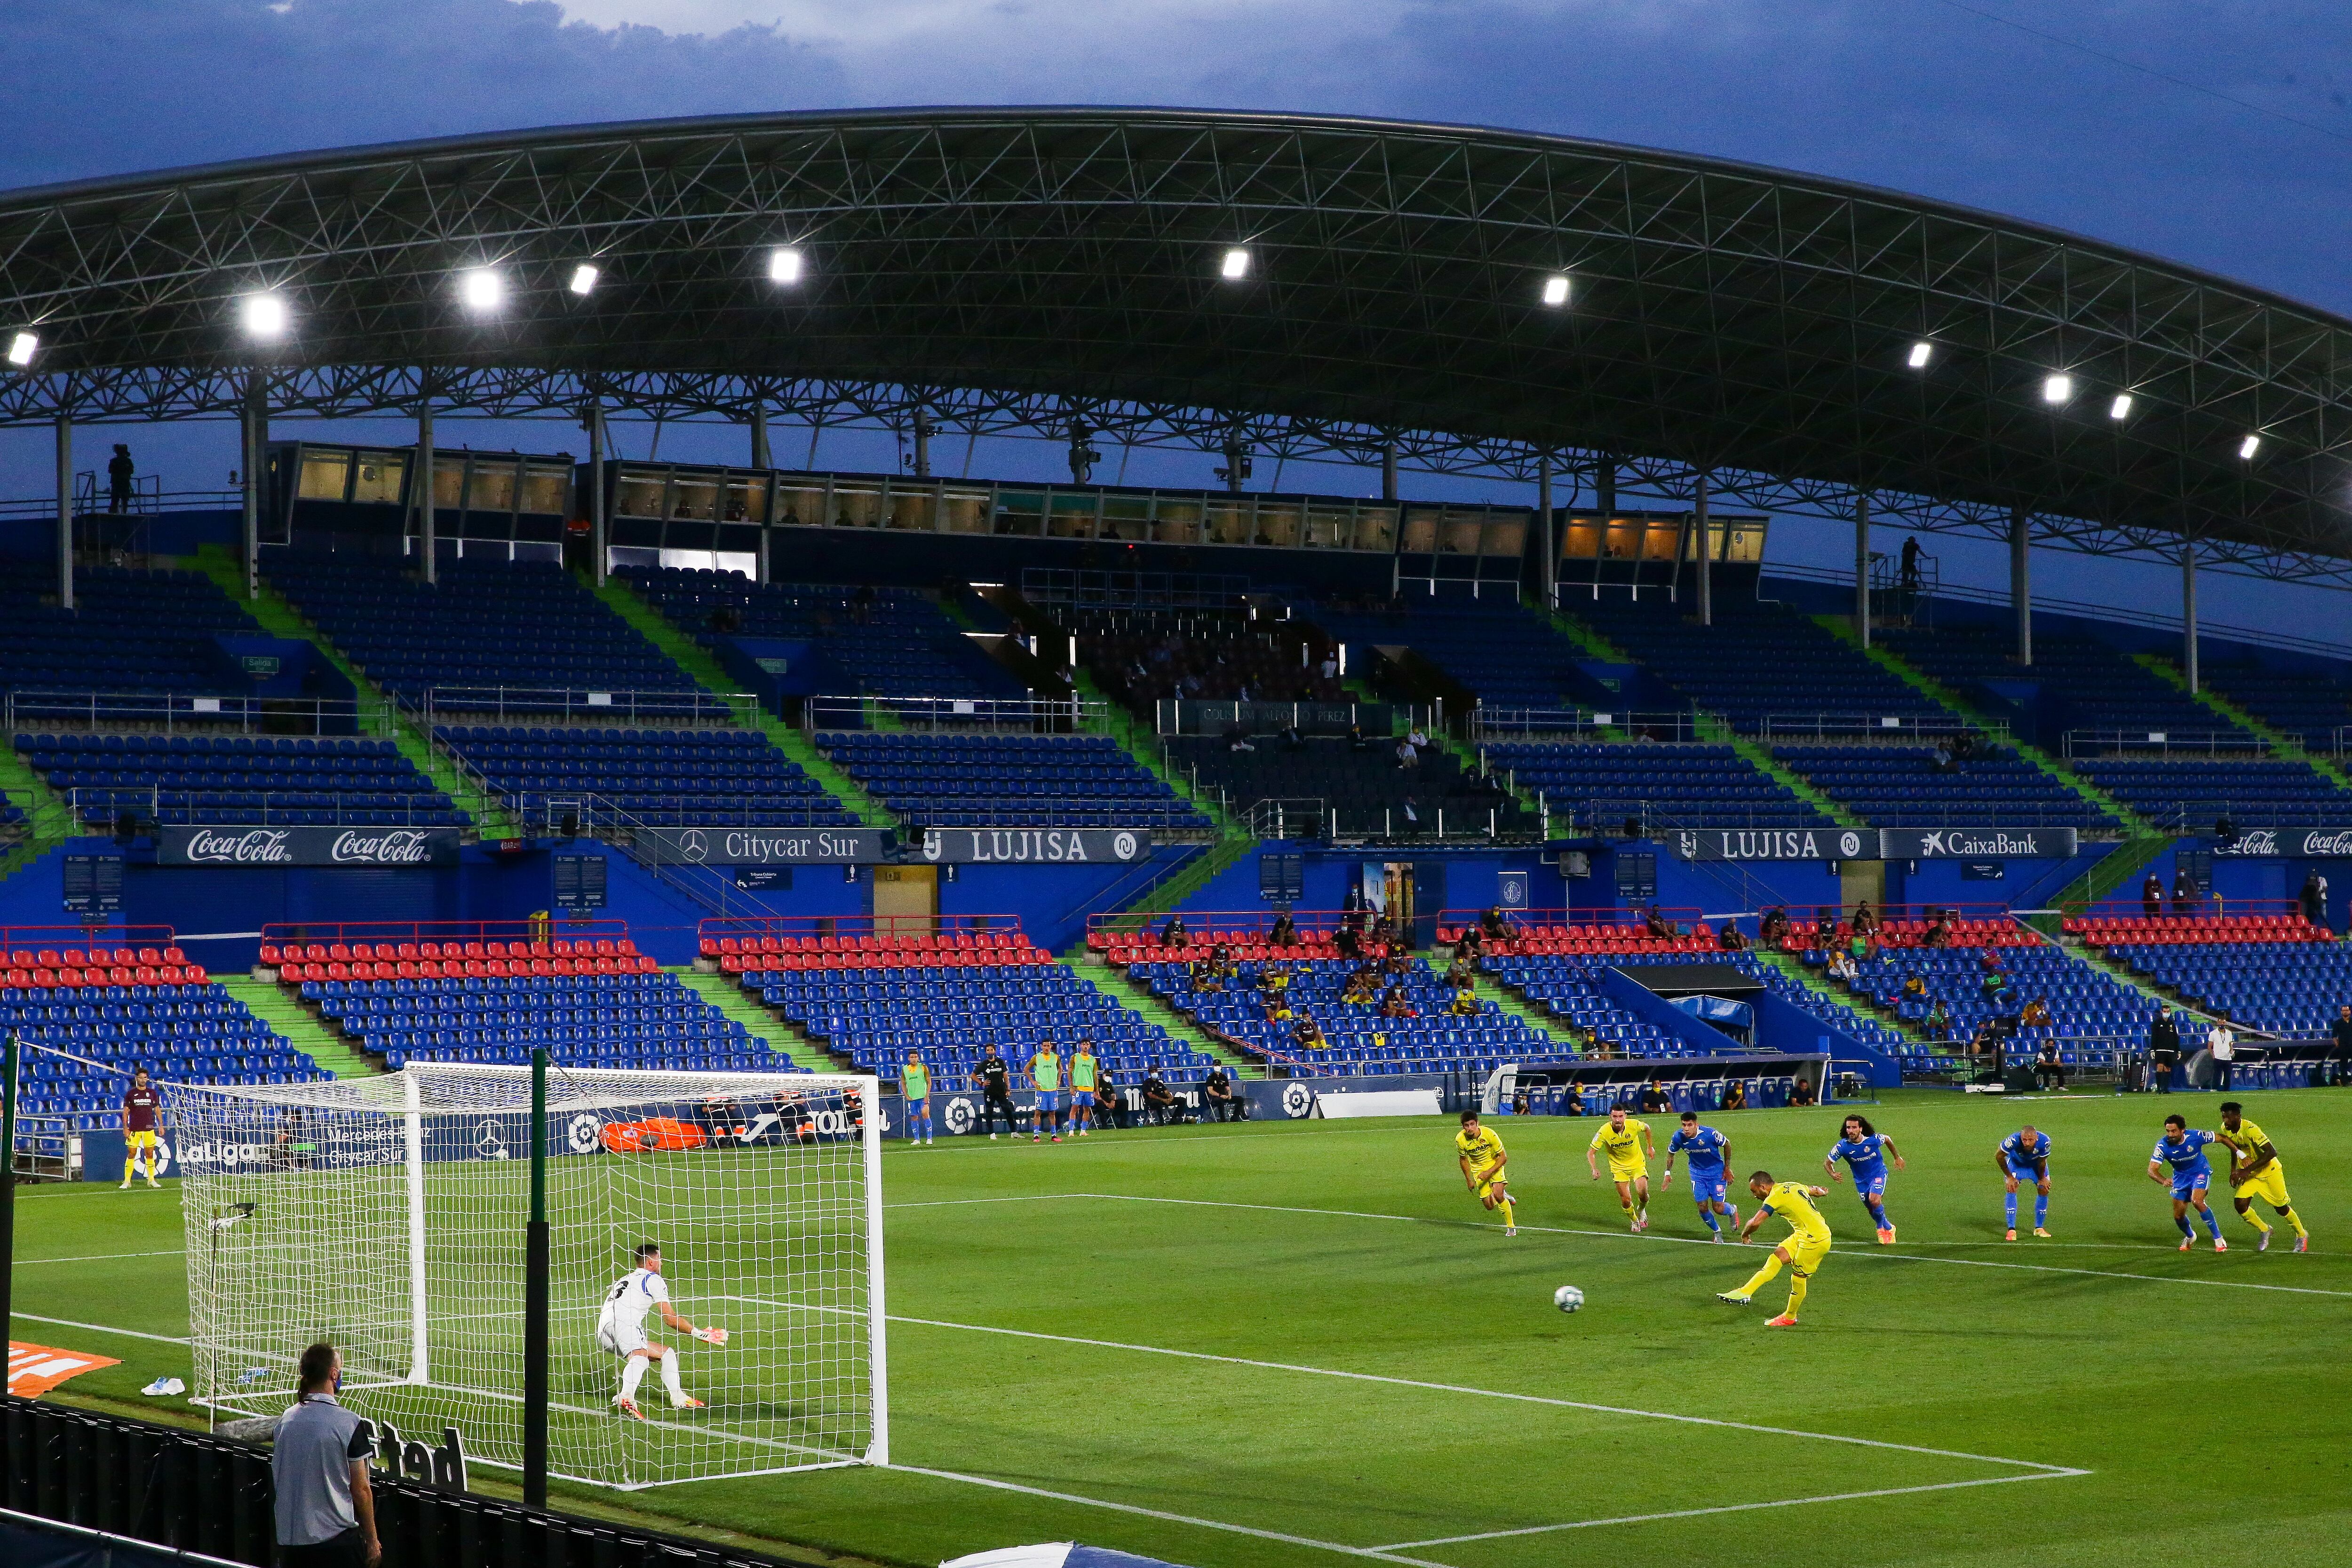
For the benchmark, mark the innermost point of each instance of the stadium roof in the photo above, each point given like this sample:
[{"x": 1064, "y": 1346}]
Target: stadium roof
[{"x": 1020, "y": 267}]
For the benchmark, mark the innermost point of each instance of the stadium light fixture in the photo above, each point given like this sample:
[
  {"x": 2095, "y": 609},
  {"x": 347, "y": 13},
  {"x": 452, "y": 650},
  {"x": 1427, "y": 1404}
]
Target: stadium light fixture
[
  {"x": 2058, "y": 389},
  {"x": 2121, "y": 407},
  {"x": 481, "y": 288},
  {"x": 2249, "y": 447},
  {"x": 1921, "y": 352},
  {"x": 1555, "y": 291},
  {"x": 266, "y": 315},
  {"x": 22, "y": 348},
  {"x": 583, "y": 280},
  {"x": 1235, "y": 264},
  {"x": 786, "y": 265}
]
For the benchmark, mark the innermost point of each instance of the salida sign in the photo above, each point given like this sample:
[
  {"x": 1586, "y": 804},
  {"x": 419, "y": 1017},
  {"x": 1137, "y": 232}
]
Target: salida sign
[{"x": 385, "y": 846}]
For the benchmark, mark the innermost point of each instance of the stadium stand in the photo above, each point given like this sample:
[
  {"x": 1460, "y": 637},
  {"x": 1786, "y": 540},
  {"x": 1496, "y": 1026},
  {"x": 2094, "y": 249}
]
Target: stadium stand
[
  {"x": 2310, "y": 707},
  {"x": 1140, "y": 656},
  {"x": 1758, "y": 659},
  {"x": 881, "y": 642},
  {"x": 1510, "y": 657},
  {"x": 1923, "y": 786},
  {"x": 592, "y": 1002},
  {"x": 2095, "y": 687},
  {"x": 240, "y": 780},
  {"x": 1010, "y": 781},
  {"x": 2192, "y": 795},
  {"x": 1689, "y": 785},
  {"x": 2277, "y": 973},
  {"x": 129, "y": 631},
  {"x": 662, "y": 777},
  {"x": 1359, "y": 793},
  {"x": 870, "y": 999},
  {"x": 526, "y": 626},
  {"x": 110, "y": 1009}
]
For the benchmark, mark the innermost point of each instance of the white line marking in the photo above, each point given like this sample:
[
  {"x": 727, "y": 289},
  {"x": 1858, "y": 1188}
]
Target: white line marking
[
  {"x": 1440, "y": 1388},
  {"x": 1172, "y": 1518},
  {"x": 99, "y": 1329},
  {"x": 1725, "y": 1508},
  {"x": 105, "y": 1257},
  {"x": 1694, "y": 1241}
]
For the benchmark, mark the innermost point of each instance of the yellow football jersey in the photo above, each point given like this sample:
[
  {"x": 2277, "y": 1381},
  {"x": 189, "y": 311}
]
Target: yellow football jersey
[
  {"x": 2248, "y": 1140},
  {"x": 1481, "y": 1149},
  {"x": 1622, "y": 1148},
  {"x": 1791, "y": 1202}
]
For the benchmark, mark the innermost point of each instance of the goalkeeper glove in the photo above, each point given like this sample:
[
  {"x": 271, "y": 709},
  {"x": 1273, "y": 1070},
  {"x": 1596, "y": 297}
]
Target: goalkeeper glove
[{"x": 711, "y": 1336}]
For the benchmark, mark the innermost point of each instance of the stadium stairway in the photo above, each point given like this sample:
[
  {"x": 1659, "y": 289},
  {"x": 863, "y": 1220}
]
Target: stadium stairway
[
  {"x": 1137, "y": 741},
  {"x": 1091, "y": 965},
  {"x": 48, "y": 821},
  {"x": 722, "y": 992},
  {"x": 302, "y": 1029},
  {"x": 1490, "y": 989},
  {"x": 2076, "y": 949},
  {"x": 2282, "y": 743},
  {"x": 1842, "y": 626},
  {"x": 1760, "y": 756},
  {"x": 2118, "y": 868},
  {"x": 1791, "y": 965},
  {"x": 705, "y": 672},
  {"x": 276, "y": 615},
  {"x": 1592, "y": 641}
]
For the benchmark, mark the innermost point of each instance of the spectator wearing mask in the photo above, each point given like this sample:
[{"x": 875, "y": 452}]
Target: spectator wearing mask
[
  {"x": 1110, "y": 1105},
  {"x": 1218, "y": 1100},
  {"x": 2339, "y": 1064},
  {"x": 1284, "y": 933},
  {"x": 2163, "y": 1050},
  {"x": 1655, "y": 1097},
  {"x": 1174, "y": 934},
  {"x": 2222, "y": 1046},
  {"x": 1161, "y": 1106},
  {"x": 2036, "y": 1014},
  {"x": 2185, "y": 897},
  {"x": 2314, "y": 899},
  {"x": 2151, "y": 896},
  {"x": 1939, "y": 1022},
  {"x": 2049, "y": 1067},
  {"x": 1492, "y": 927}
]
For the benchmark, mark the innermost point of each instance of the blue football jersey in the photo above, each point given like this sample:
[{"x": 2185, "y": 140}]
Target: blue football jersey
[
  {"x": 2017, "y": 1152},
  {"x": 1865, "y": 1157},
  {"x": 2187, "y": 1157},
  {"x": 1704, "y": 1148}
]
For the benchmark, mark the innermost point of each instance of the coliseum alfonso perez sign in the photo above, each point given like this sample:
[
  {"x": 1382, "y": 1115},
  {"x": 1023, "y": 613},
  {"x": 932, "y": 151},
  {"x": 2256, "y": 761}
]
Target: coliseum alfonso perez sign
[{"x": 270, "y": 847}]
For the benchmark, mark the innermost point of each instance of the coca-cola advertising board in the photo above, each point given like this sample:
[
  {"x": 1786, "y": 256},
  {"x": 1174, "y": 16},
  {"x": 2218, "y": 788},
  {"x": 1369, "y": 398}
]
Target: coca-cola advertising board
[
  {"x": 2289, "y": 844},
  {"x": 395, "y": 848}
]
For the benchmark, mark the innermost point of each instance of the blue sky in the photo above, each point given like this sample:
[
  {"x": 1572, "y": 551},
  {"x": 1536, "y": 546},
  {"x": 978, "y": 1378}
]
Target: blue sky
[{"x": 2218, "y": 134}]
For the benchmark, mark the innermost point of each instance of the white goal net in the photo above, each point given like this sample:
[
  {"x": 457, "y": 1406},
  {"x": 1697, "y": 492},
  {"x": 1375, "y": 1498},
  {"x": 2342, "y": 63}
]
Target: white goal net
[{"x": 387, "y": 1215}]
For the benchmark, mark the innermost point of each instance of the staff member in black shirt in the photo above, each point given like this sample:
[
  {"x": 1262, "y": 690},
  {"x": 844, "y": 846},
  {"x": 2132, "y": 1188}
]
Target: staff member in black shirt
[
  {"x": 2163, "y": 1050},
  {"x": 2340, "y": 1069},
  {"x": 995, "y": 1081}
]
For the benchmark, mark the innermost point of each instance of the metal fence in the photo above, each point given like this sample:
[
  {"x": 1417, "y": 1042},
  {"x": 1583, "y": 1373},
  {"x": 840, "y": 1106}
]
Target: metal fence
[
  {"x": 2165, "y": 743},
  {"x": 252, "y": 808},
  {"x": 579, "y": 706},
  {"x": 172, "y": 713},
  {"x": 1874, "y": 726},
  {"x": 1488, "y": 724},
  {"x": 1032, "y": 715}
]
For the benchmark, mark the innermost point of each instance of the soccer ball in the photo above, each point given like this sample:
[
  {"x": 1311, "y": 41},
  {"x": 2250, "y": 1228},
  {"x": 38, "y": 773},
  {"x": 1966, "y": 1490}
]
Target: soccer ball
[{"x": 1568, "y": 1298}]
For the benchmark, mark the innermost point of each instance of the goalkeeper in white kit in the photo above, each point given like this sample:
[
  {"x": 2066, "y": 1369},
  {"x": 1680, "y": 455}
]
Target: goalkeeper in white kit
[{"x": 621, "y": 1332}]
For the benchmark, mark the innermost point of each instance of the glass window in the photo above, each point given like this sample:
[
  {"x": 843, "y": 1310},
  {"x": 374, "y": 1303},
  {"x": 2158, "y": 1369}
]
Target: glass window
[
  {"x": 800, "y": 508},
  {"x": 325, "y": 474},
  {"x": 1662, "y": 537},
  {"x": 695, "y": 496},
  {"x": 1746, "y": 540},
  {"x": 379, "y": 479},
  {"x": 1376, "y": 527},
  {"x": 911, "y": 510},
  {"x": 747, "y": 500},
  {"x": 547, "y": 490},
  {"x": 448, "y": 480},
  {"x": 1461, "y": 534},
  {"x": 1229, "y": 522},
  {"x": 1022, "y": 515},
  {"x": 1278, "y": 524},
  {"x": 638, "y": 495},
  {"x": 963, "y": 511},
  {"x": 1128, "y": 518},
  {"x": 856, "y": 508},
  {"x": 1581, "y": 540},
  {"x": 1327, "y": 528},
  {"x": 1179, "y": 522},
  {"x": 1506, "y": 538},
  {"x": 1074, "y": 517},
  {"x": 492, "y": 488},
  {"x": 1420, "y": 532}
]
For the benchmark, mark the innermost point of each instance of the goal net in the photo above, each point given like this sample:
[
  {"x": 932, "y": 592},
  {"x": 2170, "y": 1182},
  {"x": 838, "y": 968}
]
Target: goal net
[{"x": 387, "y": 1215}]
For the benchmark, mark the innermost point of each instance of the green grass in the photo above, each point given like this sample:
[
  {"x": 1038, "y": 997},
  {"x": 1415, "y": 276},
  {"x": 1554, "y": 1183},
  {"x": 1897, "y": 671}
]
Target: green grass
[{"x": 1309, "y": 1330}]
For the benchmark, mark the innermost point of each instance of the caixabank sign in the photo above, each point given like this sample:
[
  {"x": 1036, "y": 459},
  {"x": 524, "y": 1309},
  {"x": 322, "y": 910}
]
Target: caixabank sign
[
  {"x": 1873, "y": 844},
  {"x": 262, "y": 847}
]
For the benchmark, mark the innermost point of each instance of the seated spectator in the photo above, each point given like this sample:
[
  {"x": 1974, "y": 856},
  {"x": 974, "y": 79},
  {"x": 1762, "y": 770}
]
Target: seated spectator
[
  {"x": 1939, "y": 1022},
  {"x": 1394, "y": 1005},
  {"x": 1110, "y": 1105},
  {"x": 1415, "y": 738},
  {"x": 1655, "y": 1097},
  {"x": 1278, "y": 1009},
  {"x": 1938, "y": 933},
  {"x": 1218, "y": 1100},
  {"x": 1237, "y": 738},
  {"x": 1735, "y": 1095},
  {"x": 1463, "y": 970},
  {"x": 1273, "y": 979},
  {"x": 1309, "y": 1036},
  {"x": 1803, "y": 1093},
  {"x": 1467, "y": 941},
  {"x": 1174, "y": 934},
  {"x": 2036, "y": 1014},
  {"x": 2050, "y": 1067},
  {"x": 1915, "y": 989},
  {"x": 1828, "y": 929},
  {"x": 1206, "y": 974},
  {"x": 1655, "y": 924},
  {"x": 1574, "y": 1104},
  {"x": 1492, "y": 927},
  {"x": 1330, "y": 668},
  {"x": 1356, "y": 739},
  {"x": 1995, "y": 982},
  {"x": 1161, "y": 1106},
  {"x": 1843, "y": 968},
  {"x": 1406, "y": 757},
  {"x": 1292, "y": 740},
  {"x": 1362, "y": 989},
  {"x": 1519, "y": 1106},
  {"x": 1731, "y": 939},
  {"x": 1284, "y": 933},
  {"x": 1865, "y": 919},
  {"x": 1773, "y": 929},
  {"x": 1989, "y": 959},
  {"x": 1466, "y": 1001},
  {"x": 1350, "y": 942}
]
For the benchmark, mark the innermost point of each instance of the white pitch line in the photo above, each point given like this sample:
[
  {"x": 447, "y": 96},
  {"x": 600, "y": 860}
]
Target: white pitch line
[
  {"x": 1724, "y": 1508},
  {"x": 105, "y": 1257},
  {"x": 1384, "y": 1556},
  {"x": 1694, "y": 1241},
  {"x": 99, "y": 1329}
]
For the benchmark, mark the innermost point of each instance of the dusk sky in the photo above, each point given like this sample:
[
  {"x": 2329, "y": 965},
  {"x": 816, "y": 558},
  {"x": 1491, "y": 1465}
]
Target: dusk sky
[{"x": 2217, "y": 134}]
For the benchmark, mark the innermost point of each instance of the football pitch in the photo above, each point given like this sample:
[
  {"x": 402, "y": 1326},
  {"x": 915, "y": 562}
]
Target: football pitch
[{"x": 1294, "y": 1344}]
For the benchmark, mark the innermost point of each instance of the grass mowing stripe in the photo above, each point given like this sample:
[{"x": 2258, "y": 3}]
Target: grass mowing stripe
[
  {"x": 1172, "y": 1518},
  {"x": 1725, "y": 1508},
  {"x": 1694, "y": 1241}
]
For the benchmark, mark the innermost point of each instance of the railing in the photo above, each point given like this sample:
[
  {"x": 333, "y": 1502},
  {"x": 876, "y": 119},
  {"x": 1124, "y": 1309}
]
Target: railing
[
  {"x": 1878, "y": 726},
  {"x": 46, "y": 1146},
  {"x": 1143, "y": 589},
  {"x": 853, "y": 932},
  {"x": 1311, "y": 819},
  {"x": 2200, "y": 816},
  {"x": 166, "y": 713},
  {"x": 1218, "y": 716},
  {"x": 1612, "y": 814},
  {"x": 148, "y": 500},
  {"x": 2204, "y": 907},
  {"x": 962, "y": 715},
  {"x": 1628, "y": 923},
  {"x": 1206, "y": 928},
  {"x": 250, "y": 808},
  {"x": 558, "y": 705},
  {"x": 1489, "y": 724},
  {"x": 712, "y": 887},
  {"x": 279, "y": 933},
  {"x": 2165, "y": 743}
]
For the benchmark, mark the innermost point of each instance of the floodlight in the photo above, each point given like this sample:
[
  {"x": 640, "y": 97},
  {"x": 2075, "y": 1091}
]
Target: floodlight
[
  {"x": 1555, "y": 291},
  {"x": 481, "y": 288},
  {"x": 583, "y": 279},
  {"x": 22, "y": 348},
  {"x": 2249, "y": 445},
  {"x": 1235, "y": 264},
  {"x": 2121, "y": 407},
  {"x": 265, "y": 315},
  {"x": 1920, "y": 354},
  {"x": 785, "y": 264},
  {"x": 2058, "y": 389}
]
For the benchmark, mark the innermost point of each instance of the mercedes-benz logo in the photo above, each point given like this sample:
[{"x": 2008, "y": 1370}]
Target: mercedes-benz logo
[
  {"x": 695, "y": 844},
  {"x": 488, "y": 1145}
]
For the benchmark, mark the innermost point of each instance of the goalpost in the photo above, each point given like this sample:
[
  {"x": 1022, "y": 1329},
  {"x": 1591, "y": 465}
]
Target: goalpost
[{"x": 389, "y": 1214}]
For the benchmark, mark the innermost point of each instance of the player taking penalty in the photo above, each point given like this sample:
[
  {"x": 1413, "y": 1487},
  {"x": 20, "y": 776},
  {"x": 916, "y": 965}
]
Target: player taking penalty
[
  {"x": 1482, "y": 1160},
  {"x": 1627, "y": 1142},
  {"x": 1709, "y": 1151},
  {"x": 2025, "y": 1156},
  {"x": 621, "y": 1332},
  {"x": 2255, "y": 1173},
  {"x": 1801, "y": 1252}
]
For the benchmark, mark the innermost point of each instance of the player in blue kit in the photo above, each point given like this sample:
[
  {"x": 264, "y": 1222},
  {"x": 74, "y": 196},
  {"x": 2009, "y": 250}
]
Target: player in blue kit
[
  {"x": 2179, "y": 1157},
  {"x": 1864, "y": 1150},
  {"x": 2025, "y": 1156},
  {"x": 1709, "y": 1151}
]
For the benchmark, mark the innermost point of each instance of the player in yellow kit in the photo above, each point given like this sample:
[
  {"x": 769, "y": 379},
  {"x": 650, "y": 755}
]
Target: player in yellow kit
[
  {"x": 1482, "y": 1167},
  {"x": 1626, "y": 1141},
  {"x": 2255, "y": 1171},
  {"x": 1803, "y": 1249}
]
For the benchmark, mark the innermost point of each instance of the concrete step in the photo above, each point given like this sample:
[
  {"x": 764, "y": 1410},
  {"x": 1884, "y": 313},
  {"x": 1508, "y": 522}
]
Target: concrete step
[
  {"x": 308, "y": 1034},
  {"x": 1535, "y": 1017},
  {"x": 1091, "y": 966},
  {"x": 691, "y": 658},
  {"x": 738, "y": 1005}
]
